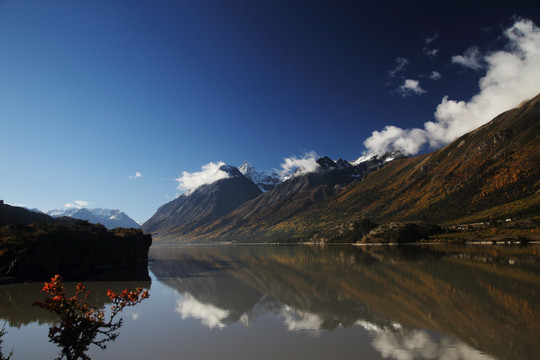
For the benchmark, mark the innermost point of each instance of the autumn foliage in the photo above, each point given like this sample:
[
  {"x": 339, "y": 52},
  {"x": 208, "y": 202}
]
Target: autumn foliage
[{"x": 80, "y": 323}]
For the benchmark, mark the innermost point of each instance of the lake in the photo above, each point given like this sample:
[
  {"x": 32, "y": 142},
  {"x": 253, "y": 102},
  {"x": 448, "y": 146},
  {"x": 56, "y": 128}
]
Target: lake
[{"x": 310, "y": 302}]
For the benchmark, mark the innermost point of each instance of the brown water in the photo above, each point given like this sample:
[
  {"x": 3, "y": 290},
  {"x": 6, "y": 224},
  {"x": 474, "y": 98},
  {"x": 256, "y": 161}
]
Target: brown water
[{"x": 306, "y": 302}]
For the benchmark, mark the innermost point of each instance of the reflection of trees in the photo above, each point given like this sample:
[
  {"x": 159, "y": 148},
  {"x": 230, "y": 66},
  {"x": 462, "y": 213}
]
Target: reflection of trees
[
  {"x": 2, "y": 356},
  {"x": 473, "y": 293}
]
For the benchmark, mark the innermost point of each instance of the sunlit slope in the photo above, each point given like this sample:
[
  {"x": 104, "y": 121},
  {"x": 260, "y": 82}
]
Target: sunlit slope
[{"x": 480, "y": 173}]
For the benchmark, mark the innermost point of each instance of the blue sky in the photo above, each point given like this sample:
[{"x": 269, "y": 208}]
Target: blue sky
[{"x": 93, "y": 92}]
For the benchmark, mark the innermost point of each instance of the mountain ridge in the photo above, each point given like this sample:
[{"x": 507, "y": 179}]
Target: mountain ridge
[
  {"x": 206, "y": 203},
  {"x": 286, "y": 199},
  {"x": 110, "y": 218},
  {"x": 473, "y": 177}
]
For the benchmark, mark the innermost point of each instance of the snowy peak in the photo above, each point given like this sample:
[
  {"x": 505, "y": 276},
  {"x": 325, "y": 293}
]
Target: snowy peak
[
  {"x": 109, "y": 218},
  {"x": 265, "y": 180},
  {"x": 381, "y": 158},
  {"x": 247, "y": 169},
  {"x": 364, "y": 158}
]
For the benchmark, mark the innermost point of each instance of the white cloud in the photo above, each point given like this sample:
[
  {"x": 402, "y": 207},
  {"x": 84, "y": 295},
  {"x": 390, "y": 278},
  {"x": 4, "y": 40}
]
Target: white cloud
[
  {"x": 512, "y": 76},
  {"x": 435, "y": 75},
  {"x": 394, "y": 138},
  {"x": 470, "y": 59},
  {"x": 410, "y": 87},
  {"x": 400, "y": 64},
  {"x": 77, "y": 204},
  {"x": 294, "y": 166},
  {"x": 210, "y": 315},
  {"x": 137, "y": 175},
  {"x": 210, "y": 173}
]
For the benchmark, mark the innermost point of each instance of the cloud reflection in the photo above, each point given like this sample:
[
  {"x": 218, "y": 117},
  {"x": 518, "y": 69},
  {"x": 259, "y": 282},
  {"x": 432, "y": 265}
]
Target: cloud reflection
[
  {"x": 298, "y": 320},
  {"x": 210, "y": 315},
  {"x": 417, "y": 344}
]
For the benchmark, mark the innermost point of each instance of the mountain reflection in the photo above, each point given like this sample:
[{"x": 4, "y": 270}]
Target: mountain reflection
[{"x": 404, "y": 297}]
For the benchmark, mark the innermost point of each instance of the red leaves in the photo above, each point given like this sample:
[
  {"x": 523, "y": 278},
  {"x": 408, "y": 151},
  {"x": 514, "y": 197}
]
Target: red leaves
[
  {"x": 125, "y": 297},
  {"x": 81, "y": 322}
]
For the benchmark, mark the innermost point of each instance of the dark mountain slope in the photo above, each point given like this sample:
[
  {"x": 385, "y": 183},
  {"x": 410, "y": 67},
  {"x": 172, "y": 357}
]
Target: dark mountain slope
[
  {"x": 207, "y": 203},
  {"x": 10, "y": 215},
  {"x": 259, "y": 219}
]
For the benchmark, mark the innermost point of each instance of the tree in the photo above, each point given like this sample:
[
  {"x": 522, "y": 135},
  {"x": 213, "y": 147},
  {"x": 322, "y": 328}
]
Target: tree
[{"x": 80, "y": 323}]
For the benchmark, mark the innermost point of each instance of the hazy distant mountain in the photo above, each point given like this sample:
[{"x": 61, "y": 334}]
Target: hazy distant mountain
[
  {"x": 202, "y": 206},
  {"x": 109, "y": 218}
]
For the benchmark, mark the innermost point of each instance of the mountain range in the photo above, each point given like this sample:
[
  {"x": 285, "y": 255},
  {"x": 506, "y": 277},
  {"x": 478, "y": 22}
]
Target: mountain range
[
  {"x": 111, "y": 219},
  {"x": 492, "y": 172}
]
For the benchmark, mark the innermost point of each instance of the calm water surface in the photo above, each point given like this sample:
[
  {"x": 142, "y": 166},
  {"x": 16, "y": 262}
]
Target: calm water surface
[{"x": 306, "y": 302}]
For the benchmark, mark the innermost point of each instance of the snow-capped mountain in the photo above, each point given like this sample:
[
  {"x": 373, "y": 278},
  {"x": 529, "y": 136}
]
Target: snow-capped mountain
[
  {"x": 265, "y": 180},
  {"x": 372, "y": 157},
  {"x": 109, "y": 218},
  {"x": 61, "y": 212}
]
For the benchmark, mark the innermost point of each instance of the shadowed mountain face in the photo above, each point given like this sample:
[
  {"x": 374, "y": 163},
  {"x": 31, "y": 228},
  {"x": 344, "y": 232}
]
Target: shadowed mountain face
[
  {"x": 253, "y": 220},
  {"x": 207, "y": 203},
  {"x": 233, "y": 210},
  {"x": 17, "y": 215},
  {"x": 484, "y": 296}
]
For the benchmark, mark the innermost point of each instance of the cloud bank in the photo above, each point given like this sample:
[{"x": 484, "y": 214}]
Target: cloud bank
[
  {"x": 294, "y": 166},
  {"x": 210, "y": 173},
  {"x": 511, "y": 76}
]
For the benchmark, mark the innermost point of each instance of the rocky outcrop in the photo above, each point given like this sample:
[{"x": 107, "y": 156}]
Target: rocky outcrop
[
  {"x": 37, "y": 252},
  {"x": 400, "y": 232}
]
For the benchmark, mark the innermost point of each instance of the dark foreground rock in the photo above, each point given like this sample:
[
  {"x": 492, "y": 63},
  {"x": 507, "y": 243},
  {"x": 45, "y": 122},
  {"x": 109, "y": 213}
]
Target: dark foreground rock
[{"x": 38, "y": 251}]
